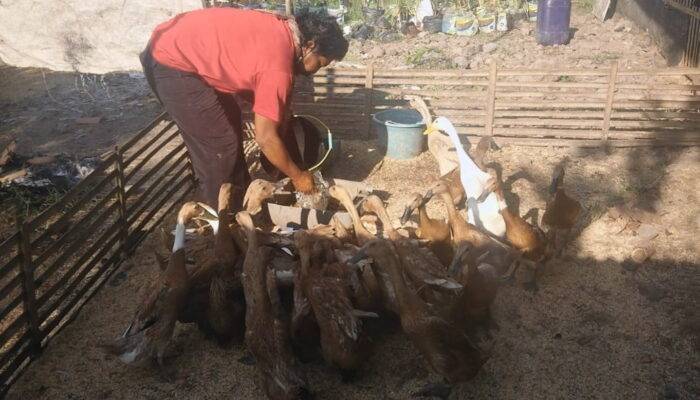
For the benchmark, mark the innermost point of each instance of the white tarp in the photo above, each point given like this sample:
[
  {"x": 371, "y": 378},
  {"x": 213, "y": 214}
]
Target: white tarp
[{"x": 87, "y": 36}]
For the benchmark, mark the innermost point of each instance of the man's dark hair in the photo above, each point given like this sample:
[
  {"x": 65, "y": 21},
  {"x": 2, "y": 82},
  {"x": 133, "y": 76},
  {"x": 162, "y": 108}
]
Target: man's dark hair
[{"x": 324, "y": 31}]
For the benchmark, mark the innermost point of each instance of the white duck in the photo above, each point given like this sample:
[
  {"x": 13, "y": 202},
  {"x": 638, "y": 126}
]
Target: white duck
[{"x": 484, "y": 214}]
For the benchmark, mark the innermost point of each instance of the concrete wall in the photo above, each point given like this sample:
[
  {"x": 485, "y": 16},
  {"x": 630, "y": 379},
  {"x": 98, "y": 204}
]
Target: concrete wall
[
  {"x": 77, "y": 35},
  {"x": 668, "y": 27}
]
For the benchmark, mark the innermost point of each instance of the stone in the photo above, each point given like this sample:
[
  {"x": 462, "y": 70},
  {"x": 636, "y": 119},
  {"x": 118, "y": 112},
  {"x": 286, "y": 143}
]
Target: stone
[
  {"x": 473, "y": 49},
  {"x": 461, "y": 62},
  {"x": 489, "y": 48},
  {"x": 376, "y": 52},
  {"x": 620, "y": 26}
]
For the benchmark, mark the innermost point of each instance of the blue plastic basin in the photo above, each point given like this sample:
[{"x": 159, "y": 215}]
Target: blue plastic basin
[{"x": 400, "y": 133}]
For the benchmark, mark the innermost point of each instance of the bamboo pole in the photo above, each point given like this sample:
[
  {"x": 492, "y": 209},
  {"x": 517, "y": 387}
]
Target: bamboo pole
[
  {"x": 369, "y": 85},
  {"x": 120, "y": 182},
  {"x": 491, "y": 99},
  {"x": 612, "y": 80},
  {"x": 10, "y": 286},
  {"x": 28, "y": 288},
  {"x": 288, "y": 7}
]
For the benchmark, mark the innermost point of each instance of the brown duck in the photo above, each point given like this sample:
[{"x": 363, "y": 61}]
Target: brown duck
[
  {"x": 561, "y": 212},
  {"x": 324, "y": 281},
  {"x": 446, "y": 349},
  {"x": 435, "y": 231},
  {"x": 267, "y": 333},
  {"x": 151, "y": 329}
]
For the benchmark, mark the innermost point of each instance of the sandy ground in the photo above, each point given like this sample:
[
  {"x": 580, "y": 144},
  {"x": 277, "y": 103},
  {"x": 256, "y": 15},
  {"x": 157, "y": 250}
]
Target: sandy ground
[{"x": 597, "y": 328}]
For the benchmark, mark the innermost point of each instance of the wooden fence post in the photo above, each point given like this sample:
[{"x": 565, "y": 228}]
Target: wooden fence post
[
  {"x": 121, "y": 199},
  {"x": 28, "y": 287},
  {"x": 612, "y": 81},
  {"x": 369, "y": 94},
  {"x": 491, "y": 101}
]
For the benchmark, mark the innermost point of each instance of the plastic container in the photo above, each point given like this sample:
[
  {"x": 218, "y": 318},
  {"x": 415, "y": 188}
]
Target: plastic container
[
  {"x": 400, "y": 133},
  {"x": 553, "y": 17},
  {"x": 532, "y": 6}
]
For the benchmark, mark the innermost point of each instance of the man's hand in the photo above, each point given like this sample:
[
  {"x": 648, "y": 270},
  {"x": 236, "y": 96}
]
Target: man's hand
[{"x": 304, "y": 182}]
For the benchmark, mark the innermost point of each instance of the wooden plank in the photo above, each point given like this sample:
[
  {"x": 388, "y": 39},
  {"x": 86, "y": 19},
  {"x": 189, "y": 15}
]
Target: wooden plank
[
  {"x": 143, "y": 132},
  {"x": 28, "y": 288},
  {"x": 157, "y": 167},
  {"x": 674, "y": 71},
  {"x": 120, "y": 182},
  {"x": 7, "y": 309},
  {"x": 139, "y": 205},
  {"x": 137, "y": 238},
  {"x": 7, "y": 246},
  {"x": 683, "y": 8},
  {"x": 550, "y": 105},
  {"x": 491, "y": 99},
  {"x": 14, "y": 327},
  {"x": 13, "y": 351},
  {"x": 12, "y": 285},
  {"x": 55, "y": 245},
  {"x": 80, "y": 240},
  {"x": 369, "y": 85},
  {"x": 149, "y": 143},
  {"x": 63, "y": 223},
  {"x": 95, "y": 254},
  {"x": 160, "y": 204},
  {"x": 149, "y": 155},
  {"x": 18, "y": 363},
  {"x": 71, "y": 194}
]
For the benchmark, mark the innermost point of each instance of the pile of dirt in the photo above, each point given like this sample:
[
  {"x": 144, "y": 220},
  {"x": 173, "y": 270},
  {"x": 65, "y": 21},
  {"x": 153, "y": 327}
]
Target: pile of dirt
[{"x": 594, "y": 44}]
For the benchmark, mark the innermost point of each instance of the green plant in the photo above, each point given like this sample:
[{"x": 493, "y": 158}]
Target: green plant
[
  {"x": 585, "y": 5},
  {"x": 604, "y": 56}
]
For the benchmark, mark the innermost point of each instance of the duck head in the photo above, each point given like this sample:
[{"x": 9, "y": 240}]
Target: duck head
[
  {"x": 441, "y": 124},
  {"x": 417, "y": 201},
  {"x": 259, "y": 191}
]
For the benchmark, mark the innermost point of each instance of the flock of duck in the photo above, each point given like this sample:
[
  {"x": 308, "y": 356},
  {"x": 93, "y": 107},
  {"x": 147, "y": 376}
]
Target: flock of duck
[{"x": 287, "y": 294}]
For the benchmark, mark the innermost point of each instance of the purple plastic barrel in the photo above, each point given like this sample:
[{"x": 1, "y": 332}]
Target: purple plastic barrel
[{"x": 553, "y": 17}]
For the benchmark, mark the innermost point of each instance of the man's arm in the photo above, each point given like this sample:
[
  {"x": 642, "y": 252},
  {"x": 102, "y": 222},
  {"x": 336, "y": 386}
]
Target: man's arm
[{"x": 267, "y": 136}]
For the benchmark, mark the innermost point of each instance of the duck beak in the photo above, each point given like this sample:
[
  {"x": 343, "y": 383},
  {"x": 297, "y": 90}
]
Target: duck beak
[
  {"x": 406, "y": 215},
  {"x": 455, "y": 266},
  {"x": 282, "y": 183},
  {"x": 210, "y": 216},
  {"x": 431, "y": 129}
]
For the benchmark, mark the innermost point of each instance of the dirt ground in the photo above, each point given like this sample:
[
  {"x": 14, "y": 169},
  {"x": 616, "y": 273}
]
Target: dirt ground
[
  {"x": 599, "y": 327},
  {"x": 594, "y": 44}
]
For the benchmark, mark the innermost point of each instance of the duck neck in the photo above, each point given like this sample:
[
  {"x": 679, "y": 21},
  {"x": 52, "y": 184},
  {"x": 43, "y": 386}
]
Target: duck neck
[
  {"x": 393, "y": 268},
  {"x": 502, "y": 205},
  {"x": 452, "y": 214},
  {"x": 386, "y": 223},
  {"x": 423, "y": 218},
  {"x": 361, "y": 233}
]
